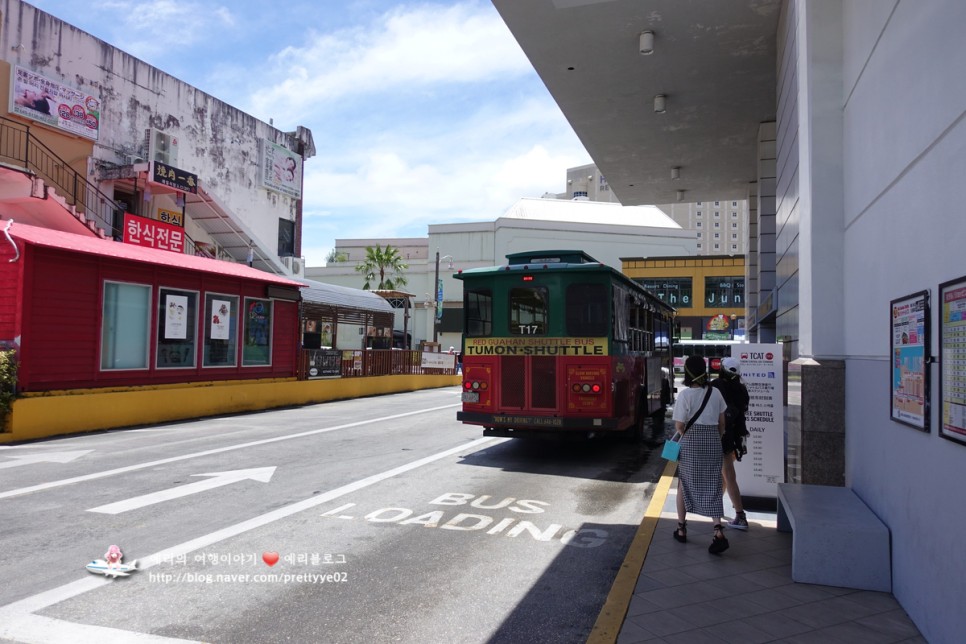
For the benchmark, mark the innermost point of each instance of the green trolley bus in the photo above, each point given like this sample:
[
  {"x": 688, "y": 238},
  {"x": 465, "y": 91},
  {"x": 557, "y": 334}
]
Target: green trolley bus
[{"x": 554, "y": 342}]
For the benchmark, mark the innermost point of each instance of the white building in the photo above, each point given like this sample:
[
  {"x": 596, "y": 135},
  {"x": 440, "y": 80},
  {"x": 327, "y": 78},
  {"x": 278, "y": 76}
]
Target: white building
[
  {"x": 842, "y": 124},
  {"x": 605, "y": 231}
]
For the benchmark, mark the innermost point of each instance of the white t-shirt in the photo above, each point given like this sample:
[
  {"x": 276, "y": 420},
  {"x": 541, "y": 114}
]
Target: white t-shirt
[{"x": 688, "y": 401}]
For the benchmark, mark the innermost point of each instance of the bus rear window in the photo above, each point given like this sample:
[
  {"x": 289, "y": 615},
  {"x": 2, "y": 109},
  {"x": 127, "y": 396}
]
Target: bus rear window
[
  {"x": 529, "y": 311},
  {"x": 588, "y": 309},
  {"x": 479, "y": 312}
]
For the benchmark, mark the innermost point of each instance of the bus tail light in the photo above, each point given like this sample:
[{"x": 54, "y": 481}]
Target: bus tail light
[
  {"x": 476, "y": 388},
  {"x": 587, "y": 388}
]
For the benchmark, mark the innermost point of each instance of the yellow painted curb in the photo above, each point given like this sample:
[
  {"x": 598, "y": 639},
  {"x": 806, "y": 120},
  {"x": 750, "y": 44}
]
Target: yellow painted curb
[
  {"x": 70, "y": 412},
  {"x": 611, "y": 618}
]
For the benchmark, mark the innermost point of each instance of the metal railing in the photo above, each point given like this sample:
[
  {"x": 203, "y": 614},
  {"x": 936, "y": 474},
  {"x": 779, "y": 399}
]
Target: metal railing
[
  {"x": 19, "y": 145},
  {"x": 338, "y": 363}
]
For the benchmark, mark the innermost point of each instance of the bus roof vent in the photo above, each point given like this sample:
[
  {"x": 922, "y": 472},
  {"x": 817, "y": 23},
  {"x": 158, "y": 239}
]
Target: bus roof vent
[{"x": 550, "y": 257}]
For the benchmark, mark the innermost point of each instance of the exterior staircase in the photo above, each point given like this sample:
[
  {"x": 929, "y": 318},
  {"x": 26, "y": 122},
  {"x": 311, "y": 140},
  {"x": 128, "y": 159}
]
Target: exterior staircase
[{"x": 59, "y": 187}]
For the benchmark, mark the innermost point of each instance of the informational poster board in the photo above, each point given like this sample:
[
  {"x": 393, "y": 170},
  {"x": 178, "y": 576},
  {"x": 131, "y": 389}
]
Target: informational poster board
[
  {"x": 909, "y": 373},
  {"x": 437, "y": 360},
  {"x": 175, "y": 317},
  {"x": 220, "y": 320},
  {"x": 763, "y": 467},
  {"x": 952, "y": 366}
]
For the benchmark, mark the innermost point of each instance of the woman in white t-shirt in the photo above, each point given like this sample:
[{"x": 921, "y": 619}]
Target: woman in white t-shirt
[{"x": 699, "y": 465}]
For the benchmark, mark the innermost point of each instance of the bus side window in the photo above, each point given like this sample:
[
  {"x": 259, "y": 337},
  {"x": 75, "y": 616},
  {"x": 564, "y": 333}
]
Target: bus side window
[
  {"x": 587, "y": 310},
  {"x": 479, "y": 313}
]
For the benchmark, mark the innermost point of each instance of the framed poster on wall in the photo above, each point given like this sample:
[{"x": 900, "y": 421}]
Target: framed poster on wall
[
  {"x": 952, "y": 363},
  {"x": 909, "y": 360}
]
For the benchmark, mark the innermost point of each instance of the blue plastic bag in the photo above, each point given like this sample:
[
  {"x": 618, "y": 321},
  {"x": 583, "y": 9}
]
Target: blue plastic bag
[{"x": 672, "y": 448}]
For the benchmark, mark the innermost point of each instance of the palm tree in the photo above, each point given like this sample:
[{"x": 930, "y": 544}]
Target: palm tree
[{"x": 380, "y": 261}]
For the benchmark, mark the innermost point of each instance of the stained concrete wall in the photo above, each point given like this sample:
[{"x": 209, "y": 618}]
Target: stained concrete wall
[{"x": 217, "y": 142}]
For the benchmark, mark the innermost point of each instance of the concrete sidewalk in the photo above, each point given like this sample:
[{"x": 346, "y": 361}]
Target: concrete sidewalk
[{"x": 682, "y": 593}]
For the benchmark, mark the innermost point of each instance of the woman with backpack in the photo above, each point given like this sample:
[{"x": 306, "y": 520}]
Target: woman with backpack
[
  {"x": 699, "y": 416},
  {"x": 733, "y": 442}
]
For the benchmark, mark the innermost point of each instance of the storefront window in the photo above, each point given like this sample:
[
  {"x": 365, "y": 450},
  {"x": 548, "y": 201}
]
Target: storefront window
[
  {"x": 177, "y": 329},
  {"x": 726, "y": 292},
  {"x": 124, "y": 328},
  {"x": 676, "y": 291},
  {"x": 221, "y": 330},
  {"x": 258, "y": 332}
]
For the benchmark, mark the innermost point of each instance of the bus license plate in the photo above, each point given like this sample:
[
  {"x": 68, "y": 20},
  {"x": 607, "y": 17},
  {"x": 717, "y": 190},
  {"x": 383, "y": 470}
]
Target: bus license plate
[{"x": 471, "y": 397}]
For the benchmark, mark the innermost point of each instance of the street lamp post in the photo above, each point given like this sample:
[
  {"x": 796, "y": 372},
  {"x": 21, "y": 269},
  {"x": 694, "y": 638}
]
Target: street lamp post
[
  {"x": 436, "y": 300},
  {"x": 437, "y": 310}
]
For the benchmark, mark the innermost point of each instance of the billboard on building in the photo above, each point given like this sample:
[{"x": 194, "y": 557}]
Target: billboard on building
[
  {"x": 281, "y": 169},
  {"x": 55, "y": 104}
]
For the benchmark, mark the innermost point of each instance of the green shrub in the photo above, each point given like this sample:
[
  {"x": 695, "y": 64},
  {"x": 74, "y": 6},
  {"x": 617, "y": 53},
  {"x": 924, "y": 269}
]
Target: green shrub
[{"x": 8, "y": 382}]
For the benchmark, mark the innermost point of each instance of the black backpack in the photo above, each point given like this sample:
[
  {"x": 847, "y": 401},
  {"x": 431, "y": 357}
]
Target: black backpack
[{"x": 736, "y": 398}]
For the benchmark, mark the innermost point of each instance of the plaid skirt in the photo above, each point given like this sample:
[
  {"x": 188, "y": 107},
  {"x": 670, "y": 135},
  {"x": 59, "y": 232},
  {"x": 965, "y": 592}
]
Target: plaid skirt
[{"x": 699, "y": 470}]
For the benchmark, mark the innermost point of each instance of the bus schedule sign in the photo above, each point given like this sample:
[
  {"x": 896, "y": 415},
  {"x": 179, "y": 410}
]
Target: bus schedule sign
[
  {"x": 531, "y": 346},
  {"x": 764, "y": 464}
]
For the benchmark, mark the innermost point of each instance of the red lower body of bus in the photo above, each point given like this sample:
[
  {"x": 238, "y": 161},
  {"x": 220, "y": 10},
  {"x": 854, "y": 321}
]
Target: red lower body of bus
[{"x": 517, "y": 395}]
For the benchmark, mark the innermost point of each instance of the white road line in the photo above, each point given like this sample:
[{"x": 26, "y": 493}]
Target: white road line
[
  {"x": 37, "y": 629},
  {"x": 43, "y": 457},
  {"x": 219, "y": 450},
  {"x": 17, "y": 621},
  {"x": 216, "y": 480}
]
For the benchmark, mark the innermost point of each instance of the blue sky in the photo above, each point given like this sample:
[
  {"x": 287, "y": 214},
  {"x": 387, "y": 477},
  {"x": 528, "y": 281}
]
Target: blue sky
[{"x": 421, "y": 112}]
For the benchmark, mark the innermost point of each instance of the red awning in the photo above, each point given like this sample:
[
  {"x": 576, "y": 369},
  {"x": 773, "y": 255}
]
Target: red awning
[{"x": 107, "y": 248}]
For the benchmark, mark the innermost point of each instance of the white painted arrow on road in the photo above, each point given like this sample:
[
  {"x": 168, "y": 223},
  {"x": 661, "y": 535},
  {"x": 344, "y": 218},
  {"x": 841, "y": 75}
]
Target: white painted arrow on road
[
  {"x": 262, "y": 474},
  {"x": 48, "y": 457}
]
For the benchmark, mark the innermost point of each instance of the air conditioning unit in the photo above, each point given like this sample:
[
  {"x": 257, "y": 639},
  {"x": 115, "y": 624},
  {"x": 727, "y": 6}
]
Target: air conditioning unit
[
  {"x": 294, "y": 264},
  {"x": 162, "y": 147}
]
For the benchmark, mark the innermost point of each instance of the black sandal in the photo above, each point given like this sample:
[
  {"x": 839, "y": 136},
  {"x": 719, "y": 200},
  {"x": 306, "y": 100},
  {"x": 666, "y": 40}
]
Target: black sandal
[
  {"x": 719, "y": 543},
  {"x": 681, "y": 532}
]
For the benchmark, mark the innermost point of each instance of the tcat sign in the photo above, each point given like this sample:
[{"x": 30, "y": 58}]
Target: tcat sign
[{"x": 757, "y": 355}]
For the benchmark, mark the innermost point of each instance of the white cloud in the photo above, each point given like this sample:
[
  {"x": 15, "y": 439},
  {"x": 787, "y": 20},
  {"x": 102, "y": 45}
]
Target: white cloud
[
  {"x": 404, "y": 51},
  {"x": 422, "y": 113},
  {"x": 149, "y": 29}
]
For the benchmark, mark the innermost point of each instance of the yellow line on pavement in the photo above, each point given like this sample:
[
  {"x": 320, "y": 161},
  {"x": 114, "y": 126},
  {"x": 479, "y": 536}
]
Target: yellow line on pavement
[{"x": 611, "y": 618}]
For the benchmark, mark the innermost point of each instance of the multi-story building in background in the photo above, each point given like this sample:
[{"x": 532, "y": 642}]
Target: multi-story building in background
[
  {"x": 605, "y": 231},
  {"x": 100, "y": 143},
  {"x": 720, "y": 225},
  {"x": 151, "y": 227}
]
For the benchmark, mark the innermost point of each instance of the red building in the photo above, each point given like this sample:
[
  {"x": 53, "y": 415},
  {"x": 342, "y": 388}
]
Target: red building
[{"x": 89, "y": 312}]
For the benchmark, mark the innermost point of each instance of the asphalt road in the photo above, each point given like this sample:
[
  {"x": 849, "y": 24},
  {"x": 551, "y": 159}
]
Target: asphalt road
[{"x": 368, "y": 520}]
